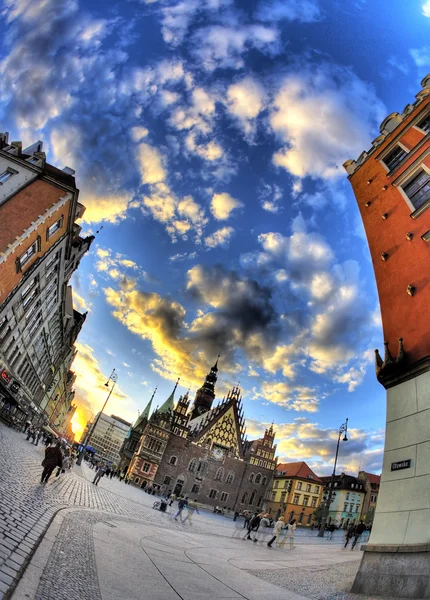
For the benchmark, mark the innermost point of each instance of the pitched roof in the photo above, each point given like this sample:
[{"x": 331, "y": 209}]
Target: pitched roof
[
  {"x": 297, "y": 469},
  {"x": 372, "y": 477}
]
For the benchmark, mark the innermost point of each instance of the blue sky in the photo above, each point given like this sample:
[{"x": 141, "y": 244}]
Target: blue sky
[{"x": 208, "y": 138}]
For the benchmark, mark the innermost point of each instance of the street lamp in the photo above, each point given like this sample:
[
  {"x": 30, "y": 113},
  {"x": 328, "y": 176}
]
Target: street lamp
[
  {"x": 343, "y": 429},
  {"x": 114, "y": 378}
]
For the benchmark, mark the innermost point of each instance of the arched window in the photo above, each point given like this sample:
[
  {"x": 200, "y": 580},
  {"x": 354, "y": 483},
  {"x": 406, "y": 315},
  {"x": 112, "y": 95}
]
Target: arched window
[
  {"x": 258, "y": 478},
  {"x": 251, "y": 500},
  {"x": 230, "y": 477},
  {"x": 244, "y": 498},
  {"x": 173, "y": 460},
  {"x": 260, "y": 500},
  {"x": 201, "y": 469},
  {"x": 219, "y": 474},
  {"x": 264, "y": 481},
  {"x": 192, "y": 465},
  {"x": 251, "y": 478}
]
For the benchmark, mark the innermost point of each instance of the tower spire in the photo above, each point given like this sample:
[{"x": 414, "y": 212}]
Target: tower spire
[
  {"x": 206, "y": 394},
  {"x": 168, "y": 405}
]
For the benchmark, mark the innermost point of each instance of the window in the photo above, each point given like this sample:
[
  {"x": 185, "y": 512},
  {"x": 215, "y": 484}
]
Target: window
[
  {"x": 418, "y": 189},
  {"x": 317, "y": 489},
  {"x": 313, "y": 502},
  {"x": 244, "y": 498},
  {"x": 425, "y": 123},
  {"x": 283, "y": 495},
  {"x": 395, "y": 157},
  {"x": 251, "y": 478},
  {"x": 345, "y": 507},
  {"x": 277, "y": 484},
  {"x": 213, "y": 494},
  {"x": 258, "y": 478},
  {"x": 357, "y": 507},
  {"x": 224, "y": 497},
  {"x": 173, "y": 460},
  {"x": 30, "y": 313},
  {"x": 305, "y": 500},
  {"x": 146, "y": 467},
  {"x": 28, "y": 254},
  {"x": 296, "y": 499},
  {"x": 299, "y": 485},
  {"x": 301, "y": 517},
  {"x": 53, "y": 228},
  {"x": 351, "y": 507},
  {"x": 219, "y": 474},
  {"x": 308, "y": 487},
  {"x": 264, "y": 482},
  {"x": 195, "y": 489},
  {"x": 347, "y": 496},
  {"x": 251, "y": 500},
  {"x": 260, "y": 500},
  {"x": 167, "y": 480},
  {"x": 51, "y": 261},
  {"x": 6, "y": 175},
  {"x": 201, "y": 469},
  {"x": 230, "y": 477}
]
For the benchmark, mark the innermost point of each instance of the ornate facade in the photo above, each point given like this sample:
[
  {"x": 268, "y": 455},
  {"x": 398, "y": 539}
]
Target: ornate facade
[{"x": 202, "y": 452}]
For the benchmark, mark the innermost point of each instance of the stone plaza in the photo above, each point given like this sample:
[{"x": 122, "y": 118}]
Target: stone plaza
[{"x": 73, "y": 540}]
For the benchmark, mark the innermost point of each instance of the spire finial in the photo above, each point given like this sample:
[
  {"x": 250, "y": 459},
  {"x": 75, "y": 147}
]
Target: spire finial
[
  {"x": 176, "y": 384},
  {"x": 215, "y": 367}
]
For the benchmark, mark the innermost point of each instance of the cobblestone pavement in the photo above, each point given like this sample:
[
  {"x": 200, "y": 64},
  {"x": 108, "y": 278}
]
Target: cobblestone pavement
[{"x": 27, "y": 507}]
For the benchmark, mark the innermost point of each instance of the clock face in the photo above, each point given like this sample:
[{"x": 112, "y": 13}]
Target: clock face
[
  {"x": 201, "y": 410},
  {"x": 218, "y": 453}
]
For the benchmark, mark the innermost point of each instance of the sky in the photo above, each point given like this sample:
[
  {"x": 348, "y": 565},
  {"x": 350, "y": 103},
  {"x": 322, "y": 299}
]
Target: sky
[{"x": 208, "y": 138}]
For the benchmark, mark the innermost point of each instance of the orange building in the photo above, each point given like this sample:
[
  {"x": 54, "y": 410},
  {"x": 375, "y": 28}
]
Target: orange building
[
  {"x": 391, "y": 182},
  {"x": 296, "y": 493}
]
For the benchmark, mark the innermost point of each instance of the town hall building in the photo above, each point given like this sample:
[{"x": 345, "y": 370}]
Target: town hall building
[{"x": 202, "y": 451}]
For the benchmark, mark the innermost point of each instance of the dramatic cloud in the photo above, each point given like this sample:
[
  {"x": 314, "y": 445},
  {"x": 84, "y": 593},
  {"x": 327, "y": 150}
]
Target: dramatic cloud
[
  {"x": 323, "y": 115},
  {"x": 222, "y": 205},
  {"x": 305, "y": 11}
]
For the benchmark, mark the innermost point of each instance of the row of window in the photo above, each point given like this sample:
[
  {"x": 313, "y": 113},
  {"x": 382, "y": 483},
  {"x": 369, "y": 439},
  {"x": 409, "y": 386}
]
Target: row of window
[
  {"x": 299, "y": 486},
  {"x": 305, "y": 502},
  {"x": 351, "y": 507},
  {"x": 257, "y": 478},
  {"x": 36, "y": 245}
]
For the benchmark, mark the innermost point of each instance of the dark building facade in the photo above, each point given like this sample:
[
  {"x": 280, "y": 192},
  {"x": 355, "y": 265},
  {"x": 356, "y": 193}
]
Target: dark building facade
[{"x": 202, "y": 452}]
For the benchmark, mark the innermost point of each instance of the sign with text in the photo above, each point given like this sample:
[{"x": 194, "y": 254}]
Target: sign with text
[{"x": 402, "y": 464}]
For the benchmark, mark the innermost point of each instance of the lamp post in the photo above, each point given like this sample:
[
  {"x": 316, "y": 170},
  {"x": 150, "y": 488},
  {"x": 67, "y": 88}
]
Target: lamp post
[
  {"x": 113, "y": 377},
  {"x": 342, "y": 429}
]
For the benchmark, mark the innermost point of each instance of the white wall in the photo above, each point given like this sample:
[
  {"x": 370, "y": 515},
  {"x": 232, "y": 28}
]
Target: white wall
[
  {"x": 24, "y": 176},
  {"x": 403, "y": 510}
]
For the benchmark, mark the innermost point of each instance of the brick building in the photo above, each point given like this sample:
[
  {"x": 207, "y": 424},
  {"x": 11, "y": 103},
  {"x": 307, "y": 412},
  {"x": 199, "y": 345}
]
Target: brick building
[
  {"x": 40, "y": 247},
  {"x": 296, "y": 493},
  {"x": 202, "y": 452},
  {"x": 391, "y": 182},
  {"x": 371, "y": 483}
]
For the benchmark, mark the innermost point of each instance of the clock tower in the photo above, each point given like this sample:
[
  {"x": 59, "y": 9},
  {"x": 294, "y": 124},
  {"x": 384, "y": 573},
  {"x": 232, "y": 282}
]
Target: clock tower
[{"x": 206, "y": 394}]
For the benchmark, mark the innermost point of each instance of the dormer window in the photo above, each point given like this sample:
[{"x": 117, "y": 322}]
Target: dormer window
[
  {"x": 425, "y": 124},
  {"x": 6, "y": 175},
  {"x": 394, "y": 157}
]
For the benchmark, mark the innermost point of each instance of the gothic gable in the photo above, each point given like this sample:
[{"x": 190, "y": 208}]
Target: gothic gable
[{"x": 224, "y": 429}]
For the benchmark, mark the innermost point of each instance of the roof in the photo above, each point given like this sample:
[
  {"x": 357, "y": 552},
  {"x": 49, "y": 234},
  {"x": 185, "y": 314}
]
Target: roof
[
  {"x": 297, "y": 469},
  {"x": 372, "y": 478}
]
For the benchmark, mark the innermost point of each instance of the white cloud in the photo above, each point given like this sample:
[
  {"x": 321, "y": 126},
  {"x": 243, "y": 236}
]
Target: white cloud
[
  {"x": 221, "y": 237},
  {"x": 426, "y": 8},
  {"x": 304, "y": 11},
  {"x": 138, "y": 133},
  {"x": 323, "y": 115},
  {"x": 220, "y": 46},
  {"x": 245, "y": 101},
  {"x": 222, "y": 205},
  {"x": 421, "y": 56},
  {"x": 270, "y": 196},
  {"x": 151, "y": 164}
]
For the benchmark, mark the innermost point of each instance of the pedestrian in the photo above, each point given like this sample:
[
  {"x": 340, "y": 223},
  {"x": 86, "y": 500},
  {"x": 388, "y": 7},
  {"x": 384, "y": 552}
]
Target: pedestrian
[
  {"x": 111, "y": 474},
  {"x": 357, "y": 533},
  {"x": 39, "y": 435},
  {"x": 290, "y": 534},
  {"x": 53, "y": 458},
  {"x": 29, "y": 432},
  {"x": 265, "y": 528},
  {"x": 66, "y": 464},
  {"x": 172, "y": 499},
  {"x": 248, "y": 517},
  {"x": 349, "y": 533},
  {"x": 235, "y": 516},
  {"x": 121, "y": 476},
  {"x": 27, "y": 424},
  {"x": 331, "y": 530},
  {"x": 182, "y": 503},
  {"x": 192, "y": 507},
  {"x": 101, "y": 469},
  {"x": 253, "y": 526},
  {"x": 279, "y": 526}
]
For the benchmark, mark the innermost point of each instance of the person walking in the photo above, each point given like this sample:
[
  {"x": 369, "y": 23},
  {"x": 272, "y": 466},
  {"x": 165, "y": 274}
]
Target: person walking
[
  {"x": 29, "y": 432},
  {"x": 349, "y": 533},
  {"x": 290, "y": 533},
  {"x": 38, "y": 436},
  {"x": 101, "y": 469},
  {"x": 192, "y": 507},
  {"x": 172, "y": 499},
  {"x": 264, "y": 529},
  {"x": 253, "y": 526},
  {"x": 67, "y": 462},
  {"x": 279, "y": 526},
  {"x": 331, "y": 530},
  {"x": 182, "y": 503},
  {"x": 53, "y": 458},
  {"x": 357, "y": 533},
  {"x": 248, "y": 517}
]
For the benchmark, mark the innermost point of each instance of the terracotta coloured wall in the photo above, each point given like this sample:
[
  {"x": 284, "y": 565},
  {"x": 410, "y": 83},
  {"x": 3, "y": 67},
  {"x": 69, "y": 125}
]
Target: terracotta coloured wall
[
  {"x": 408, "y": 262},
  {"x": 16, "y": 215}
]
